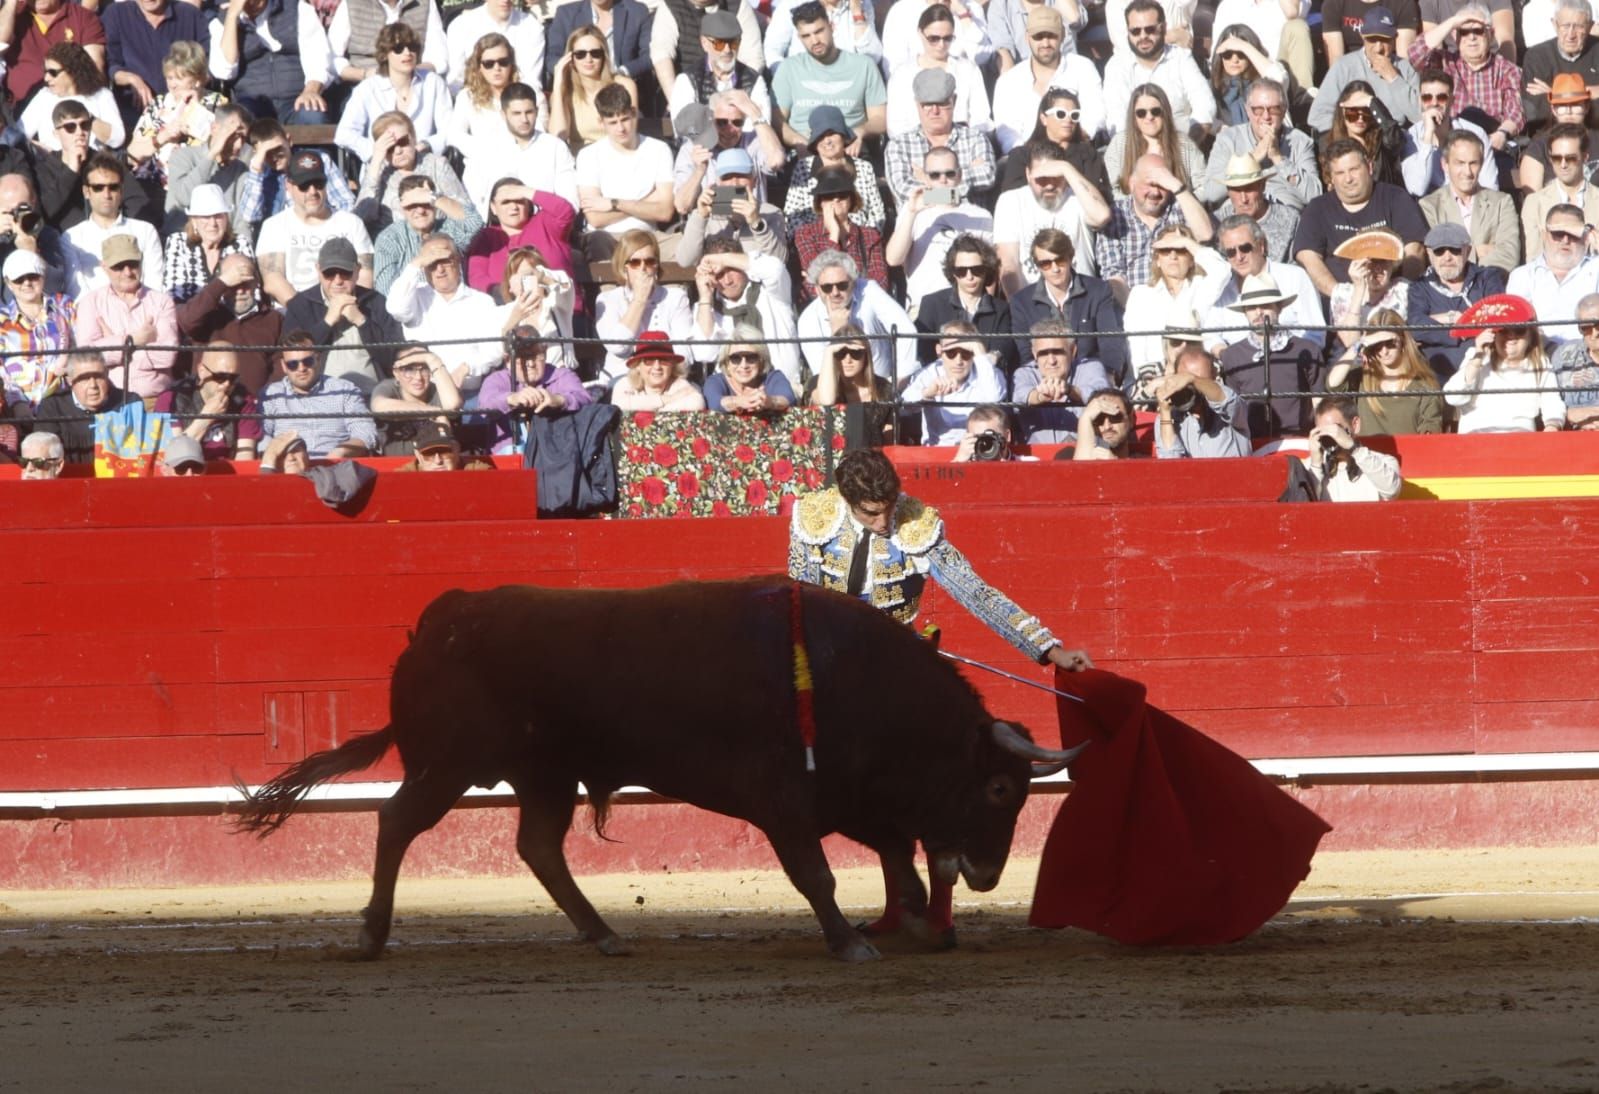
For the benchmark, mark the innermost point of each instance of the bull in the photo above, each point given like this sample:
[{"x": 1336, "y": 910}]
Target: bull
[{"x": 689, "y": 690}]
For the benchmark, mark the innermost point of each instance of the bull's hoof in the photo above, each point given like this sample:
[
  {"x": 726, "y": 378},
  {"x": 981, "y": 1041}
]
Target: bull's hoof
[
  {"x": 368, "y": 947},
  {"x": 856, "y": 951},
  {"x": 612, "y": 946}
]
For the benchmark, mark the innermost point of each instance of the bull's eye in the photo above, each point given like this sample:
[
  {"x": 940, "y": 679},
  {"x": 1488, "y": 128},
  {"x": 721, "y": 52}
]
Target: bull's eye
[{"x": 1000, "y": 790}]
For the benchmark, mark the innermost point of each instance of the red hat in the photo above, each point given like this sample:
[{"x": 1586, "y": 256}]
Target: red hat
[
  {"x": 654, "y": 345},
  {"x": 1498, "y": 310}
]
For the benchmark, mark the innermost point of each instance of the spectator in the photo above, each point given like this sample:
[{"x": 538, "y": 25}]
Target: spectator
[
  {"x": 60, "y": 173},
  {"x": 265, "y": 189},
  {"x": 436, "y": 306},
  {"x": 1502, "y": 20},
  {"x": 1147, "y": 132},
  {"x": 837, "y": 200},
  {"x": 424, "y": 213},
  {"x": 1373, "y": 257},
  {"x": 356, "y": 24},
  {"x": 637, "y": 303},
  {"x": 397, "y": 155},
  {"x": 537, "y": 160},
  {"x": 41, "y": 456},
  {"x": 1058, "y": 124},
  {"x": 539, "y": 298},
  {"x": 1494, "y": 232},
  {"x": 758, "y": 226},
  {"x": 1013, "y": 30},
  {"x": 181, "y": 458},
  {"x": 421, "y": 382},
  {"x": 900, "y": 40},
  {"x": 104, "y": 187},
  {"x": 1362, "y": 117},
  {"x": 520, "y": 216},
  {"x": 731, "y": 120},
  {"x": 1239, "y": 61},
  {"x": 1451, "y": 284},
  {"x": 35, "y": 327},
  {"x": 1398, "y": 391},
  {"x": 125, "y": 308},
  {"x": 746, "y": 292},
  {"x": 624, "y": 183},
  {"x": 1506, "y": 383},
  {"x": 195, "y": 253},
  {"x": 1057, "y": 198},
  {"x": 1051, "y": 65},
  {"x": 676, "y": 32},
  {"x": 1177, "y": 284},
  {"x": 1568, "y": 160},
  {"x": 1248, "y": 194},
  {"x": 1243, "y": 243},
  {"x": 435, "y": 449},
  {"x": 286, "y": 454},
  {"x": 844, "y": 296},
  {"x": 1342, "y": 468},
  {"x": 854, "y": 24},
  {"x": 934, "y": 90},
  {"x": 1576, "y": 366},
  {"x": 1198, "y": 416},
  {"x": 627, "y": 25},
  {"x": 1355, "y": 203},
  {"x": 988, "y": 437},
  {"x": 336, "y": 422},
  {"x": 1561, "y": 274},
  {"x": 582, "y": 73},
  {"x": 290, "y": 241},
  {"x": 231, "y": 308},
  {"x": 963, "y": 375},
  {"x": 142, "y": 41},
  {"x": 522, "y": 31},
  {"x": 824, "y": 76},
  {"x": 1150, "y": 60},
  {"x": 1086, "y": 303},
  {"x": 935, "y": 34},
  {"x": 339, "y": 311},
  {"x": 478, "y": 117},
  {"x": 1392, "y": 79},
  {"x": 829, "y": 146},
  {"x": 277, "y": 56},
  {"x": 1123, "y": 250},
  {"x": 654, "y": 378},
  {"x": 744, "y": 381},
  {"x": 71, "y": 73},
  {"x": 1053, "y": 386},
  {"x": 217, "y": 161},
  {"x": 400, "y": 84},
  {"x": 845, "y": 378},
  {"x": 1285, "y": 157},
  {"x": 1105, "y": 428},
  {"x": 720, "y": 70},
  {"x": 38, "y": 25},
  {"x": 215, "y": 389},
  {"x": 1289, "y": 364},
  {"x": 971, "y": 268},
  {"x": 181, "y": 115},
  {"x": 529, "y": 385},
  {"x": 1423, "y": 166},
  {"x": 70, "y": 412},
  {"x": 1570, "y": 103},
  {"x": 1571, "y": 51},
  {"x": 1487, "y": 86}
]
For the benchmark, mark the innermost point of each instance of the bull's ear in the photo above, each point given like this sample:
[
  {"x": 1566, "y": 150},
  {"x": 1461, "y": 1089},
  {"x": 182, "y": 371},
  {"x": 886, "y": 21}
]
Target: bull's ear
[{"x": 1013, "y": 741}]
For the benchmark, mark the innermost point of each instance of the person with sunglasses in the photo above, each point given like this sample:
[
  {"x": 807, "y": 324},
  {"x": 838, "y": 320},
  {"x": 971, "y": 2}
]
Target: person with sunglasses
[
  {"x": 35, "y": 325},
  {"x": 675, "y": 36},
  {"x": 1487, "y": 85},
  {"x": 1425, "y": 145},
  {"x": 339, "y": 311},
  {"x": 625, "y": 24},
  {"x": 125, "y": 307},
  {"x": 731, "y": 119},
  {"x": 1082, "y": 300},
  {"x": 396, "y": 156},
  {"x": 582, "y": 72},
  {"x": 264, "y": 190},
  {"x": 71, "y": 73},
  {"x": 336, "y": 420},
  {"x": 213, "y": 389},
  {"x": 1560, "y": 274},
  {"x": 745, "y": 381},
  {"x": 721, "y": 71},
  {"x": 969, "y": 37},
  {"x": 41, "y": 456},
  {"x": 638, "y": 302},
  {"x": 1058, "y": 198},
  {"x": 104, "y": 188},
  {"x": 1377, "y": 63},
  {"x": 1027, "y": 90},
  {"x": 231, "y": 308},
  {"x": 1052, "y": 387},
  {"x": 400, "y": 84},
  {"x": 1569, "y": 103},
  {"x": 277, "y": 56},
  {"x": 1451, "y": 285},
  {"x": 1286, "y": 156},
  {"x": 353, "y": 33},
  {"x": 1148, "y": 132},
  {"x": 1569, "y": 150},
  {"x": 1011, "y": 26},
  {"x": 843, "y": 296},
  {"x": 1149, "y": 59},
  {"x": 1058, "y": 126},
  {"x": 182, "y": 458},
  {"x": 936, "y": 32},
  {"x": 1506, "y": 383},
  {"x": 291, "y": 240},
  {"x": 1495, "y": 231},
  {"x": 1243, "y": 243},
  {"x": 934, "y": 90},
  {"x": 37, "y": 26},
  {"x": 971, "y": 269},
  {"x": 60, "y": 173},
  {"x": 421, "y": 382},
  {"x": 521, "y": 31},
  {"x": 747, "y": 291},
  {"x": 927, "y": 225},
  {"x": 1563, "y": 46},
  {"x": 1106, "y": 429},
  {"x": 961, "y": 376},
  {"x": 1397, "y": 390},
  {"x": 1285, "y": 365},
  {"x": 845, "y": 379},
  {"x": 490, "y": 68}
]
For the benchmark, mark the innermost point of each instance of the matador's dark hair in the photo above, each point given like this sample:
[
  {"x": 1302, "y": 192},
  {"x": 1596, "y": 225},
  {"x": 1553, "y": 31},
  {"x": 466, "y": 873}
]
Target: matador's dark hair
[{"x": 866, "y": 475}]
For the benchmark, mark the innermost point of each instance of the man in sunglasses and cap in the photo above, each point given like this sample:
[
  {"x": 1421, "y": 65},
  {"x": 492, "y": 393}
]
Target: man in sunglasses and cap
[
  {"x": 1452, "y": 283},
  {"x": 181, "y": 458},
  {"x": 1391, "y": 77},
  {"x": 290, "y": 241},
  {"x": 729, "y": 120},
  {"x": 1244, "y": 244},
  {"x": 1043, "y": 59},
  {"x": 341, "y": 312}
]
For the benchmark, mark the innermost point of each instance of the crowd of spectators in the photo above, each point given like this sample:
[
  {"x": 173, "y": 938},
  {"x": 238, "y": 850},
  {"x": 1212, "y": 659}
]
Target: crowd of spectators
[{"x": 1071, "y": 213}]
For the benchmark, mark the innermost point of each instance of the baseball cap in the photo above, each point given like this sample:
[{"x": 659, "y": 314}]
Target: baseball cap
[
  {"x": 307, "y": 167},
  {"x": 431, "y": 434},
  {"x": 1045, "y": 18},
  {"x": 734, "y": 161},
  {"x": 20, "y": 263},
  {"x": 337, "y": 253},
  {"x": 182, "y": 449},
  {"x": 1378, "y": 23},
  {"x": 696, "y": 123}
]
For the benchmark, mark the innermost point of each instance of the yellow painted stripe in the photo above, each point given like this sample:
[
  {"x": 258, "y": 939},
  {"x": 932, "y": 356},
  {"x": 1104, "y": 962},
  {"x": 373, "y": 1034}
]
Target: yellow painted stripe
[{"x": 1506, "y": 486}]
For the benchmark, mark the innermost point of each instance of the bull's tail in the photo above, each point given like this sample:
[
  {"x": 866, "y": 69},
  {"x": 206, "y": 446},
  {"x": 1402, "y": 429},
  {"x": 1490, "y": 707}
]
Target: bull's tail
[{"x": 265, "y": 810}]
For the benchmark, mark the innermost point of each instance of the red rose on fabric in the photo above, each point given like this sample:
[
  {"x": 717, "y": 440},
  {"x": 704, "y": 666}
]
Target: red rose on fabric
[
  {"x": 813, "y": 478},
  {"x": 755, "y": 493},
  {"x": 637, "y": 453},
  {"x": 802, "y": 435},
  {"x": 720, "y": 509},
  {"x": 665, "y": 455},
  {"x": 744, "y": 453},
  {"x": 702, "y": 447},
  {"x": 654, "y": 490},
  {"x": 633, "y": 490},
  {"x": 782, "y": 470},
  {"x": 766, "y": 450},
  {"x": 687, "y": 485},
  {"x": 838, "y": 442},
  {"x": 635, "y": 510},
  {"x": 643, "y": 418}
]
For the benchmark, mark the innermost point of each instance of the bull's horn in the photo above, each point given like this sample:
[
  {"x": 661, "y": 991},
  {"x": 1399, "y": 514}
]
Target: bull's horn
[
  {"x": 1006, "y": 737},
  {"x": 1043, "y": 770}
]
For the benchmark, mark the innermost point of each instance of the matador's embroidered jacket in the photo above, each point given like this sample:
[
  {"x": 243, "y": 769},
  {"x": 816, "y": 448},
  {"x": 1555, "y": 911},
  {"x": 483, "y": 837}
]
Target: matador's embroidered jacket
[{"x": 822, "y": 541}]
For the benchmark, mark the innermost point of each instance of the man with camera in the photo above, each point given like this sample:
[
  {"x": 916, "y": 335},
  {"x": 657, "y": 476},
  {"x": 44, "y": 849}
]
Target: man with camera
[
  {"x": 988, "y": 438},
  {"x": 22, "y": 228},
  {"x": 1199, "y": 415},
  {"x": 1340, "y": 467}
]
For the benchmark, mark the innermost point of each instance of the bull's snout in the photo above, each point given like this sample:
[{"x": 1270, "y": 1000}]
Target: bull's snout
[{"x": 980, "y": 878}]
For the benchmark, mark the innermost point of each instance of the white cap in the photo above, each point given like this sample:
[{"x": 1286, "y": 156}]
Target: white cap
[
  {"x": 208, "y": 200},
  {"x": 20, "y": 263}
]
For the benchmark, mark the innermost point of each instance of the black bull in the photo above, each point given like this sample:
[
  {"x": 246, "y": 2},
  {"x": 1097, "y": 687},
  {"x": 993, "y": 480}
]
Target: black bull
[{"x": 688, "y": 690}]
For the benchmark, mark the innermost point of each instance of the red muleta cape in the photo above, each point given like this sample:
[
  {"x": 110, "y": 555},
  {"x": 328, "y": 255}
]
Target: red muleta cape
[{"x": 1166, "y": 838}]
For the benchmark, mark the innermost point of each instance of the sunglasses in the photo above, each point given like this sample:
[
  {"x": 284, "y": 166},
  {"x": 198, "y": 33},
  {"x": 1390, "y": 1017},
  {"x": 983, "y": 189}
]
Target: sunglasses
[
  {"x": 1588, "y": 330},
  {"x": 1048, "y": 263},
  {"x": 440, "y": 263},
  {"x": 1140, "y": 32},
  {"x": 729, "y": 123},
  {"x": 1453, "y": 252},
  {"x": 1172, "y": 250},
  {"x": 588, "y": 54},
  {"x": 1045, "y": 36},
  {"x": 397, "y": 50},
  {"x": 1149, "y": 112},
  {"x": 1374, "y": 348},
  {"x": 644, "y": 262},
  {"x": 1241, "y": 249},
  {"x": 956, "y": 354},
  {"x": 102, "y": 187},
  {"x": 1435, "y": 96},
  {"x": 831, "y": 287},
  {"x": 939, "y": 39},
  {"x": 1560, "y": 236},
  {"x": 723, "y": 45},
  {"x": 1471, "y": 32},
  {"x": 40, "y": 463},
  {"x": 743, "y": 358},
  {"x": 52, "y": 73},
  {"x": 224, "y": 377},
  {"x": 1564, "y": 159},
  {"x": 1113, "y": 419},
  {"x": 1232, "y": 55},
  {"x": 494, "y": 62},
  {"x": 1357, "y": 114},
  {"x": 849, "y": 353},
  {"x": 130, "y": 264},
  {"x": 189, "y": 467},
  {"x": 943, "y": 176},
  {"x": 418, "y": 207},
  {"x": 970, "y": 271},
  {"x": 74, "y": 127},
  {"x": 1061, "y": 114},
  {"x": 295, "y": 364}
]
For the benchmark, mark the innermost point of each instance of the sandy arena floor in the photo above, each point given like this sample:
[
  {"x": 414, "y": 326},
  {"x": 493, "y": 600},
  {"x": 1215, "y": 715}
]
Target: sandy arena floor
[{"x": 1457, "y": 972}]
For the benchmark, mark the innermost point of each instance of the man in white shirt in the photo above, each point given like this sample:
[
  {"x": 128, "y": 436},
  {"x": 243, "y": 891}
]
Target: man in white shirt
[
  {"x": 540, "y": 161},
  {"x": 1341, "y": 467},
  {"x": 854, "y": 29},
  {"x": 353, "y": 59},
  {"x": 103, "y": 186},
  {"x": 929, "y": 222},
  {"x": 1242, "y": 242},
  {"x": 522, "y": 30},
  {"x": 291, "y": 240},
  {"x": 741, "y": 289},
  {"x": 280, "y": 64},
  {"x": 844, "y": 296},
  {"x": 1560, "y": 275},
  {"x": 1019, "y": 91},
  {"x": 624, "y": 181},
  {"x": 435, "y": 305},
  {"x": 1149, "y": 60},
  {"x": 1056, "y": 196}
]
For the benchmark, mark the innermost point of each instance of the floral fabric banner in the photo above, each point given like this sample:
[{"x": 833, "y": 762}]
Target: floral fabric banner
[{"x": 709, "y": 464}]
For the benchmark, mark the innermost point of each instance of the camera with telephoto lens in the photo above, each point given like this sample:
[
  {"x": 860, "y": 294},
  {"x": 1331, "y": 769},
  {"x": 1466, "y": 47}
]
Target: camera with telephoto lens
[
  {"x": 27, "y": 221},
  {"x": 990, "y": 445},
  {"x": 1329, "y": 456},
  {"x": 1183, "y": 403}
]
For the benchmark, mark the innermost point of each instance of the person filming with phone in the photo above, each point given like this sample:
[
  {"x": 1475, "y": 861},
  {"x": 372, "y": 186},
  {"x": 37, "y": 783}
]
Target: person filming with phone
[{"x": 732, "y": 206}]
